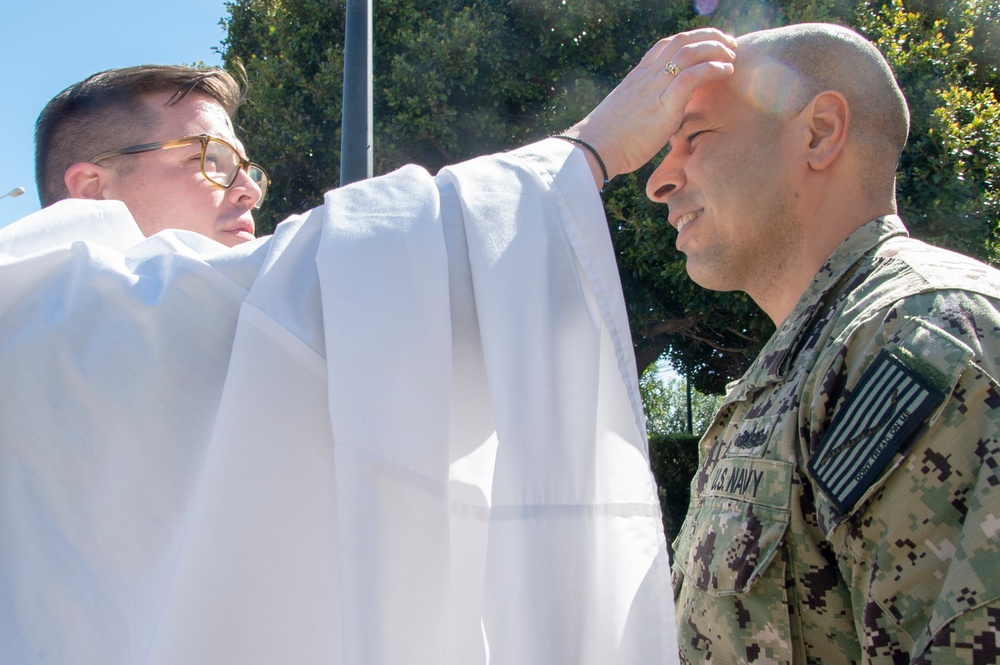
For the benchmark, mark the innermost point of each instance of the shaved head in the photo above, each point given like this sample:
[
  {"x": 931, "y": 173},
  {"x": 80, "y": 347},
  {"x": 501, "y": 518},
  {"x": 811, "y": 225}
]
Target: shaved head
[{"x": 789, "y": 66}]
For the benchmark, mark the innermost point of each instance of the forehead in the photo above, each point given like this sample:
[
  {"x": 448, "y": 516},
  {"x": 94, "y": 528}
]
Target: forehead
[
  {"x": 719, "y": 101},
  {"x": 752, "y": 93},
  {"x": 192, "y": 115}
]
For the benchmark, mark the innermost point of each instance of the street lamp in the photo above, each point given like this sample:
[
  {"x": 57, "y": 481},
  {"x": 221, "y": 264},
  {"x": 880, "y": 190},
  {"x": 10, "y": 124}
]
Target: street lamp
[{"x": 14, "y": 193}]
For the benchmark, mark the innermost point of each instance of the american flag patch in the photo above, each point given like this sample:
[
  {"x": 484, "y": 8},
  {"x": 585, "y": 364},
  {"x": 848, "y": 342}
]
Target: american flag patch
[{"x": 890, "y": 401}]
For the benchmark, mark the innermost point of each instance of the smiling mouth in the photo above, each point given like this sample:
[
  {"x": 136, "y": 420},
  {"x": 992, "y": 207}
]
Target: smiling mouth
[{"x": 686, "y": 219}]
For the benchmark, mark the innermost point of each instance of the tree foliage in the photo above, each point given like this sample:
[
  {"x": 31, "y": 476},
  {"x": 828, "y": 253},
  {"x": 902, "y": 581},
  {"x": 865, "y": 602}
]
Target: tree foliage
[
  {"x": 673, "y": 459},
  {"x": 949, "y": 171},
  {"x": 665, "y": 403},
  {"x": 459, "y": 78}
]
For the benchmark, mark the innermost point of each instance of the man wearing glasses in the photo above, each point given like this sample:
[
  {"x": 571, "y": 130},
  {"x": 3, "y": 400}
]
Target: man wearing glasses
[
  {"x": 176, "y": 162},
  {"x": 403, "y": 429}
]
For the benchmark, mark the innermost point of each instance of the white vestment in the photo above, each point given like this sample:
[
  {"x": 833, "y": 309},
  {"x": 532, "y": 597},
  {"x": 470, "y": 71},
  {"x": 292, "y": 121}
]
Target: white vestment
[{"x": 403, "y": 429}]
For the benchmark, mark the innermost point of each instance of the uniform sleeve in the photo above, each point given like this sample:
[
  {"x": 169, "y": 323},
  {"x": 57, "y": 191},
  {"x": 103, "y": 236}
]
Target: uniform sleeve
[
  {"x": 905, "y": 473},
  {"x": 971, "y": 638}
]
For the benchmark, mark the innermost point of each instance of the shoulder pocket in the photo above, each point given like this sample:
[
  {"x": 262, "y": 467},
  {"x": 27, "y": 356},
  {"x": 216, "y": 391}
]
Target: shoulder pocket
[
  {"x": 897, "y": 397},
  {"x": 731, "y": 536}
]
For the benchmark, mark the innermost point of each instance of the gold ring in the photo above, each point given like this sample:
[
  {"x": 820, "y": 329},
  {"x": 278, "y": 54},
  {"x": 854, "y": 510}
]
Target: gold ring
[{"x": 672, "y": 69}]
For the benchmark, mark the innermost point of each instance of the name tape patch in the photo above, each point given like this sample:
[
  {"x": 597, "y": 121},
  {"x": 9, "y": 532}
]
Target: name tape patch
[
  {"x": 759, "y": 481},
  {"x": 890, "y": 401}
]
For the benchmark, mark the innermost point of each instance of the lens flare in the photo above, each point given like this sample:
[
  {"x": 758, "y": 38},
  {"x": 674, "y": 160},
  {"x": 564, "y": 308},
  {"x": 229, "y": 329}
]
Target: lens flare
[{"x": 705, "y": 7}]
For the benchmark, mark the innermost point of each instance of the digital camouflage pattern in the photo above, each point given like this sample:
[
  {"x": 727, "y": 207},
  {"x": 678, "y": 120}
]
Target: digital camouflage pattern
[{"x": 847, "y": 508}]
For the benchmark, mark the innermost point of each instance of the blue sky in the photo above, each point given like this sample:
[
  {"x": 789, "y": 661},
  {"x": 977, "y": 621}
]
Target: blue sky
[{"x": 47, "y": 45}]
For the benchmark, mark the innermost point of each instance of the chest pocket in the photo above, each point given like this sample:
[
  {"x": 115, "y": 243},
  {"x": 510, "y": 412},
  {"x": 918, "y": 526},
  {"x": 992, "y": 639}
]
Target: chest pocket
[{"x": 729, "y": 539}]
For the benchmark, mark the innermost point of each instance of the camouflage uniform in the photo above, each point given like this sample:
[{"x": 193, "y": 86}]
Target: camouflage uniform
[{"x": 847, "y": 508}]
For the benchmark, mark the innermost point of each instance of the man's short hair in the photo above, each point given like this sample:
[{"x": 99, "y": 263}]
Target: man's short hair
[
  {"x": 109, "y": 110},
  {"x": 809, "y": 58}
]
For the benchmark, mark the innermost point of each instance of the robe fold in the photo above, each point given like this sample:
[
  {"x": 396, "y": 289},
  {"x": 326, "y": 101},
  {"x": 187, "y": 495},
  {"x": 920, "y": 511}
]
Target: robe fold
[{"x": 405, "y": 428}]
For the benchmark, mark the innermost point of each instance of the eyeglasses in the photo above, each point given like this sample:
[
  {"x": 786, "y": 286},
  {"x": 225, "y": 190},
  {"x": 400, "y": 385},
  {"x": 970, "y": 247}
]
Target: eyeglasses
[{"x": 220, "y": 162}]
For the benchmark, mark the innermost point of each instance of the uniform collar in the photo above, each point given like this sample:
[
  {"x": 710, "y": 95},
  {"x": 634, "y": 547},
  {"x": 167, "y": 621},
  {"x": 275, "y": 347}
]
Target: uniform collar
[{"x": 838, "y": 276}]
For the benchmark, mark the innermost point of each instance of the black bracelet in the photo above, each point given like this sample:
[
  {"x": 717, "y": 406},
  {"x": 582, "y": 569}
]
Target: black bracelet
[{"x": 593, "y": 151}]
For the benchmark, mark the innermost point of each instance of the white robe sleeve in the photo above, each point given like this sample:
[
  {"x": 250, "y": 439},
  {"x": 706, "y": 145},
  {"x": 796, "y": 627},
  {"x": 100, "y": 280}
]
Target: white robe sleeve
[
  {"x": 112, "y": 369},
  {"x": 426, "y": 446},
  {"x": 574, "y": 510}
]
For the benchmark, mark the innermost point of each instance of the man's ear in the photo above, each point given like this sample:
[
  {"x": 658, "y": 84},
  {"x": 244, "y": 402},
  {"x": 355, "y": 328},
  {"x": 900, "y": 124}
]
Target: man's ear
[
  {"x": 828, "y": 119},
  {"x": 87, "y": 181}
]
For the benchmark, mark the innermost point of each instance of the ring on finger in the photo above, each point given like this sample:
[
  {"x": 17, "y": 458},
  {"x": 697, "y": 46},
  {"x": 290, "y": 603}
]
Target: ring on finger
[{"x": 672, "y": 69}]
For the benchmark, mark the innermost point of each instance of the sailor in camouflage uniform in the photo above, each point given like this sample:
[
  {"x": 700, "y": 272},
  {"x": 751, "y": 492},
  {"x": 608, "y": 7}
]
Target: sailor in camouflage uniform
[{"x": 847, "y": 508}]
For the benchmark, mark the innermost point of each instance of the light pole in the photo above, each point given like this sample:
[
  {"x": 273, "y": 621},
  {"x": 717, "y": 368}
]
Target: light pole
[
  {"x": 14, "y": 193},
  {"x": 356, "y": 117}
]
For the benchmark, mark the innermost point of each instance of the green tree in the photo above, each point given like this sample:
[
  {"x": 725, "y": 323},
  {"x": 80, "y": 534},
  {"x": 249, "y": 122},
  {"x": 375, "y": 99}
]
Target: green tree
[
  {"x": 459, "y": 78},
  {"x": 664, "y": 399},
  {"x": 673, "y": 452},
  {"x": 949, "y": 170},
  {"x": 673, "y": 459}
]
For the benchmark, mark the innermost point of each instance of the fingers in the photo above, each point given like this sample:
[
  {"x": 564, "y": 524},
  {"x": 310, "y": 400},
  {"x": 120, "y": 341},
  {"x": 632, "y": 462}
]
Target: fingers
[
  {"x": 690, "y": 68},
  {"x": 682, "y": 47},
  {"x": 679, "y": 54},
  {"x": 637, "y": 119},
  {"x": 691, "y": 55}
]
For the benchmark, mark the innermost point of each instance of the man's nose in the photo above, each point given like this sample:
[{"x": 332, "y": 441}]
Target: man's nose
[
  {"x": 245, "y": 186},
  {"x": 667, "y": 177}
]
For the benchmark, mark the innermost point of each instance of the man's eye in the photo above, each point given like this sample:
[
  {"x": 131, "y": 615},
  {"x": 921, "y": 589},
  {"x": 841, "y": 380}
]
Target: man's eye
[{"x": 692, "y": 137}]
